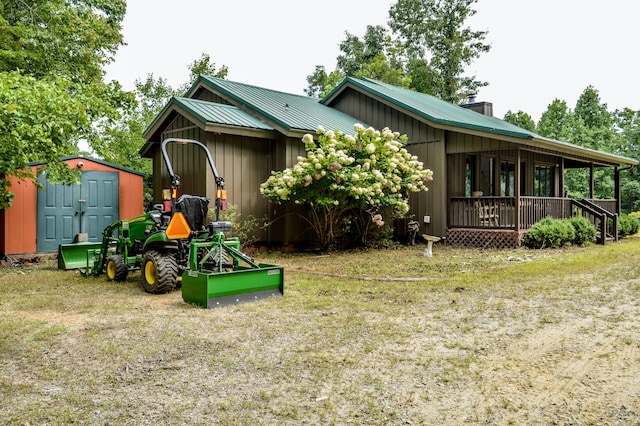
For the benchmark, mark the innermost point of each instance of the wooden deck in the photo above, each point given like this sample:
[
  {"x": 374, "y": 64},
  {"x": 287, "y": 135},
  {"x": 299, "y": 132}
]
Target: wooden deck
[{"x": 502, "y": 221}]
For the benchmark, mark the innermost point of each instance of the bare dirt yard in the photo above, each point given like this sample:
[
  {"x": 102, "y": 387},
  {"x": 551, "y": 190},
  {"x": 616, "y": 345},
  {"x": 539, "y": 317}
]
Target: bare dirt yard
[{"x": 374, "y": 337}]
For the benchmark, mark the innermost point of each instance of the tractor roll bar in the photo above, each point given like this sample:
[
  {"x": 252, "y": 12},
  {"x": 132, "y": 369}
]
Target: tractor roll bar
[
  {"x": 175, "y": 180},
  {"x": 220, "y": 202}
]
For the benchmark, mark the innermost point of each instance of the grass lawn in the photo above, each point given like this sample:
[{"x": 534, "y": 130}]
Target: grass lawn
[{"x": 363, "y": 337}]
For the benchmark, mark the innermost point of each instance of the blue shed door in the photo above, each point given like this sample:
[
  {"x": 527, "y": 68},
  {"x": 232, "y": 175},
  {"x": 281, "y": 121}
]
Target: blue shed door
[{"x": 65, "y": 211}]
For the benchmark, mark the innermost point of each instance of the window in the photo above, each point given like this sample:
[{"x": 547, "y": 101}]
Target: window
[
  {"x": 543, "y": 181},
  {"x": 486, "y": 175},
  {"x": 507, "y": 178},
  {"x": 469, "y": 175}
]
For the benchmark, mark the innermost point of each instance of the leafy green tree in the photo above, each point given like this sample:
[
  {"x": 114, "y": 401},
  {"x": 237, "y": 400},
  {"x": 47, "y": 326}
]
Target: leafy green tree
[
  {"x": 376, "y": 56},
  {"x": 74, "y": 39},
  {"x": 356, "y": 52},
  {"x": 593, "y": 113},
  {"x": 521, "y": 119},
  {"x": 203, "y": 66},
  {"x": 347, "y": 178},
  {"x": 591, "y": 125},
  {"x": 51, "y": 58},
  {"x": 38, "y": 120},
  {"x": 321, "y": 83},
  {"x": 439, "y": 45},
  {"x": 120, "y": 142},
  {"x": 627, "y": 121},
  {"x": 557, "y": 122}
]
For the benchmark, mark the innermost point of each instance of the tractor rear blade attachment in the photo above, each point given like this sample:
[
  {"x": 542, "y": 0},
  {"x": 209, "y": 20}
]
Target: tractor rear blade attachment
[
  {"x": 76, "y": 255},
  {"x": 217, "y": 289}
]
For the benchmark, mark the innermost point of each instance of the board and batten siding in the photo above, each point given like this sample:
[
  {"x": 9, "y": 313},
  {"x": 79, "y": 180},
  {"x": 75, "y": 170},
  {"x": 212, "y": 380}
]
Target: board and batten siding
[
  {"x": 204, "y": 94},
  {"x": 243, "y": 162},
  {"x": 424, "y": 141},
  {"x": 287, "y": 224}
]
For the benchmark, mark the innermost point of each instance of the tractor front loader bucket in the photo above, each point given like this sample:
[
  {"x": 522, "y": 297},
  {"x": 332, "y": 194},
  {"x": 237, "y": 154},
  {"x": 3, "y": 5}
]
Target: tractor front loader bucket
[
  {"x": 216, "y": 289},
  {"x": 77, "y": 255}
]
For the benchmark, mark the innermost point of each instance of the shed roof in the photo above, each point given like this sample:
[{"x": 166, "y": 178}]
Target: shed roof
[
  {"x": 444, "y": 114},
  {"x": 92, "y": 159},
  {"x": 285, "y": 111}
]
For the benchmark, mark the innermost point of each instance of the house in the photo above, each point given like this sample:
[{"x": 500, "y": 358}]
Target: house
[
  {"x": 41, "y": 219},
  {"x": 249, "y": 131},
  {"x": 492, "y": 180},
  {"x": 495, "y": 179}
]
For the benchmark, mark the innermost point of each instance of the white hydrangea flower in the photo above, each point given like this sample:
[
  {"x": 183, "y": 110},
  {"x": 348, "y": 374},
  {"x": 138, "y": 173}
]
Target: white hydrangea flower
[{"x": 307, "y": 138}]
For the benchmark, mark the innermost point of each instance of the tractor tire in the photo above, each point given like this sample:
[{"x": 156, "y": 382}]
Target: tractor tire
[
  {"x": 159, "y": 272},
  {"x": 117, "y": 269}
]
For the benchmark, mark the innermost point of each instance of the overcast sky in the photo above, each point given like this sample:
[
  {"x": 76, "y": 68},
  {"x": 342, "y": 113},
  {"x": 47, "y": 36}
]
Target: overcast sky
[{"x": 541, "y": 49}]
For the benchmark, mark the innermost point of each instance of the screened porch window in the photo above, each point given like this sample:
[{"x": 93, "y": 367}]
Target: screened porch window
[
  {"x": 469, "y": 175},
  {"x": 487, "y": 175},
  {"x": 507, "y": 178},
  {"x": 543, "y": 181}
]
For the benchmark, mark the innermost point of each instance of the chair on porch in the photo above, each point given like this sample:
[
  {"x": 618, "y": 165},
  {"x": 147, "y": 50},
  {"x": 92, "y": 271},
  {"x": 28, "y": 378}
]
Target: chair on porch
[{"x": 487, "y": 213}]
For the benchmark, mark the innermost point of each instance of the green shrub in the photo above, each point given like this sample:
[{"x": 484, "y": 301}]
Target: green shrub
[
  {"x": 246, "y": 230},
  {"x": 584, "y": 231},
  {"x": 549, "y": 232},
  {"x": 627, "y": 225}
]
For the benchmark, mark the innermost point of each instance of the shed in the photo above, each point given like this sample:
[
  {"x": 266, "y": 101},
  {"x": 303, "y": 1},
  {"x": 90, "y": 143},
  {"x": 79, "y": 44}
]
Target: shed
[{"x": 41, "y": 219}]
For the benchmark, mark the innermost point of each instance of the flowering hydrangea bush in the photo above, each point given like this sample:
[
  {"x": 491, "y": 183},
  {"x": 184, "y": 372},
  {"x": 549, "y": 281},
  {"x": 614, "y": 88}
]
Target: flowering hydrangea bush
[{"x": 343, "y": 174}]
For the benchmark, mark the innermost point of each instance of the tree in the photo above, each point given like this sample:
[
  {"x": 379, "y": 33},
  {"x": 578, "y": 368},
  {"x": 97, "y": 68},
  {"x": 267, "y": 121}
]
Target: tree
[
  {"x": 521, "y": 119},
  {"x": 120, "y": 142},
  {"x": 74, "y": 39},
  {"x": 627, "y": 121},
  {"x": 345, "y": 179},
  {"x": 38, "y": 120},
  {"x": 321, "y": 83},
  {"x": 51, "y": 58},
  {"x": 203, "y": 66},
  {"x": 376, "y": 56},
  {"x": 438, "y": 45},
  {"x": 557, "y": 122}
]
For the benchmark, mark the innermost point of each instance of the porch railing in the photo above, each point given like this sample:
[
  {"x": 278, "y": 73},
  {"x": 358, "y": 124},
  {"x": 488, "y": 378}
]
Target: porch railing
[{"x": 500, "y": 212}]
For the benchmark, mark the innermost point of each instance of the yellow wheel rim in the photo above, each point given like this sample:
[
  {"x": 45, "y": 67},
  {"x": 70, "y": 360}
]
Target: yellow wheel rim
[
  {"x": 150, "y": 273},
  {"x": 111, "y": 270}
]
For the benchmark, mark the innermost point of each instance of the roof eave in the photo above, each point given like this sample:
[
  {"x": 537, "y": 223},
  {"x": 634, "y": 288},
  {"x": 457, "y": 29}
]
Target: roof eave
[{"x": 601, "y": 157}]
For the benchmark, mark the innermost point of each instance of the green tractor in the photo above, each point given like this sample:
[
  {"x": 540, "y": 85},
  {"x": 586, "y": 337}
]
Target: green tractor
[{"x": 173, "y": 247}]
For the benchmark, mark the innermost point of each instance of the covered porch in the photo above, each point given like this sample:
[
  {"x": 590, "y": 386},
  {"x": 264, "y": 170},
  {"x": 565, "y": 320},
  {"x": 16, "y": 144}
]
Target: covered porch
[{"x": 505, "y": 220}]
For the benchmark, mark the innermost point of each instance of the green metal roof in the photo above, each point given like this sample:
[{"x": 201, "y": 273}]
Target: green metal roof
[
  {"x": 211, "y": 112},
  {"x": 441, "y": 112},
  {"x": 433, "y": 109},
  {"x": 289, "y": 111}
]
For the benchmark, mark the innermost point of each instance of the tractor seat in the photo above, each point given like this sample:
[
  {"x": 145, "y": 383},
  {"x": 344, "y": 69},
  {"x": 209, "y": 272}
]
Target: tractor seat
[{"x": 194, "y": 208}]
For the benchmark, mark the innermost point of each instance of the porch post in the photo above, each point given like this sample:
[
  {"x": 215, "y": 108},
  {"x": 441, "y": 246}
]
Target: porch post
[
  {"x": 516, "y": 192},
  {"x": 592, "y": 190},
  {"x": 561, "y": 178},
  {"x": 618, "y": 193}
]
